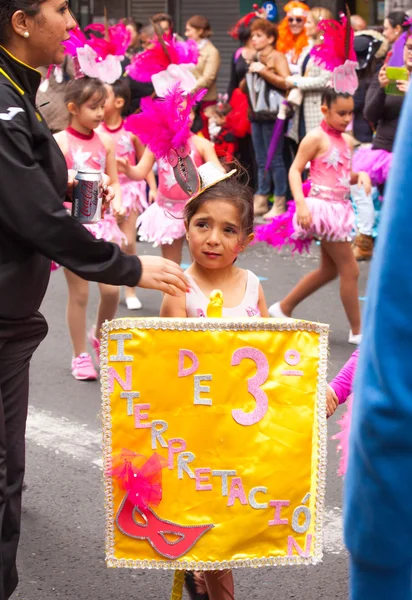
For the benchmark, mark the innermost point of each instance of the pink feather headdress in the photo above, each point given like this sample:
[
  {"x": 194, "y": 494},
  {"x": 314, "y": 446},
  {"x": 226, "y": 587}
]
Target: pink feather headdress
[
  {"x": 160, "y": 56},
  {"x": 99, "y": 57},
  {"x": 337, "y": 54}
]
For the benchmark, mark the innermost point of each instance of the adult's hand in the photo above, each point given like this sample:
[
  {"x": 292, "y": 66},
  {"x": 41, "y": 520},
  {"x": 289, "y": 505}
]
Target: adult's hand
[
  {"x": 383, "y": 78},
  {"x": 163, "y": 275},
  {"x": 108, "y": 193}
]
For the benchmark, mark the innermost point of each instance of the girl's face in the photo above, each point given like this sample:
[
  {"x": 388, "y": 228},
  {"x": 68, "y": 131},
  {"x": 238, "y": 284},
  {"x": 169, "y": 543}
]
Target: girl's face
[
  {"x": 339, "y": 115},
  {"x": 90, "y": 114},
  {"x": 48, "y": 30},
  {"x": 215, "y": 236},
  {"x": 311, "y": 27},
  {"x": 192, "y": 33},
  {"x": 296, "y": 23},
  {"x": 112, "y": 104},
  {"x": 260, "y": 41},
  {"x": 391, "y": 33}
]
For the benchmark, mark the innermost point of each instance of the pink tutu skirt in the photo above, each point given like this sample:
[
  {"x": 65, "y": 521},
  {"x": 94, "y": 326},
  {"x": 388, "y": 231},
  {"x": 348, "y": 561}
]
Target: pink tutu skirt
[
  {"x": 332, "y": 220},
  {"x": 107, "y": 229},
  {"x": 376, "y": 163},
  {"x": 134, "y": 196},
  {"x": 162, "y": 223}
]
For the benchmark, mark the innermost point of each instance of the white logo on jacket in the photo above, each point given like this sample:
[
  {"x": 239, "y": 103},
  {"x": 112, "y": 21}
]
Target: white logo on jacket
[{"x": 11, "y": 113}]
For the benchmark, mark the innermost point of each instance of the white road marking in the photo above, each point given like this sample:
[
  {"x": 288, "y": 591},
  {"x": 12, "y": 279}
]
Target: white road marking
[{"x": 79, "y": 442}]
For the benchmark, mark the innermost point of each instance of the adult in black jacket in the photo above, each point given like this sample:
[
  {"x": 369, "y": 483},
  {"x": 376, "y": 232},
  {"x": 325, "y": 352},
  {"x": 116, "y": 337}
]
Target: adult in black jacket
[{"x": 34, "y": 228}]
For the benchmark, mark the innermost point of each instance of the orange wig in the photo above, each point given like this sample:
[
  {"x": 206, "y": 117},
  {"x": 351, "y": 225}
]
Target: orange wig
[{"x": 288, "y": 42}]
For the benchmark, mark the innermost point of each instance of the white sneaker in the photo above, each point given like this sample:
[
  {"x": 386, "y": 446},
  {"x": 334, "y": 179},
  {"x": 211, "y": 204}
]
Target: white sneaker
[
  {"x": 133, "y": 303},
  {"x": 355, "y": 339},
  {"x": 276, "y": 312}
]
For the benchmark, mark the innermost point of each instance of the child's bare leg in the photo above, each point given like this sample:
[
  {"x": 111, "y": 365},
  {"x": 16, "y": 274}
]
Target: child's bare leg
[
  {"x": 342, "y": 255},
  {"x": 310, "y": 283},
  {"x": 173, "y": 251},
  {"x": 109, "y": 301},
  {"x": 77, "y": 300},
  {"x": 128, "y": 227},
  {"x": 220, "y": 585}
]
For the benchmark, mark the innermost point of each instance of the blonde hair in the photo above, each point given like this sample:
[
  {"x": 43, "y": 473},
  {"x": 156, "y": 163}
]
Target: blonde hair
[{"x": 319, "y": 13}]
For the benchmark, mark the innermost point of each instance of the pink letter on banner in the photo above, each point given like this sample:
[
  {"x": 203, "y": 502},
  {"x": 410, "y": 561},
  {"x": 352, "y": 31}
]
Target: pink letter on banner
[
  {"x": 141, "y": 416},
  {"x": 190, "y": 370},
  {"x": 114, "y": 375},
  {"x": 202, "y": 477},
  {"x": 236, "y": 492},
  {"x": 253, "y": 386},
  {"x": 175, "y": 450},
  {"x": 292, "y": 544},
  {"x": 278, "y": 504}
]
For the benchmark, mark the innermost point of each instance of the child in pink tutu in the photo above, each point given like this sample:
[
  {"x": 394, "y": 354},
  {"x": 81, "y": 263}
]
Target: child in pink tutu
[
  {"x": 128, "y": 147},
  {"x": 83, "y": 148},
  {"x": 338, "y": 392},
  {"x": 325, "y": 213},
  {"x": 162, "y": 223}
]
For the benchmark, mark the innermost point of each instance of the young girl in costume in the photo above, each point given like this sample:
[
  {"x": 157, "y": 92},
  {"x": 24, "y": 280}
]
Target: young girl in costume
[
  {"x": 83, "y": 148},
  {"x": 219, "y": 226},
  {"x": 127, "y": 147},
  {"x": 162, "y": 223},
  {"x": 326, "y": 213}
]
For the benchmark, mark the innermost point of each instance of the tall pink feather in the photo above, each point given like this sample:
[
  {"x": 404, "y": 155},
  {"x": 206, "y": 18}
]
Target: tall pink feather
[
  {"x": 77, "y": 40},
  {"x": 117, "y": 44},
  {"x": 155, "y": 60},
  {"x": 279, "y": 232},
  {"x": 165, "y": 123},
  {"x": 332, "y": 52}
]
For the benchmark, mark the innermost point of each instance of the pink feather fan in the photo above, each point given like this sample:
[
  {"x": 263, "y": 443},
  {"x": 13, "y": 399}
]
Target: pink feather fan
[
  {"x": 165, "y": 123},
  {"x": 156, "y": 59}
]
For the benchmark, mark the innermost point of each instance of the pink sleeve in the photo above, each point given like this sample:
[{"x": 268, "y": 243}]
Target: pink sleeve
[{"x": 343, "y": 382}]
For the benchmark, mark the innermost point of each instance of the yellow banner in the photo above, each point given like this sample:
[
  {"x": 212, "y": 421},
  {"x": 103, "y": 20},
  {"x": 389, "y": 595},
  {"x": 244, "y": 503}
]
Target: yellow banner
[{"x": 214, "y": 437}]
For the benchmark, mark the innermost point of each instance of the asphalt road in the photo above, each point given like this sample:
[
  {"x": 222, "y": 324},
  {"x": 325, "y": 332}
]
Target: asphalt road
[{"x": 62, "y": 543}]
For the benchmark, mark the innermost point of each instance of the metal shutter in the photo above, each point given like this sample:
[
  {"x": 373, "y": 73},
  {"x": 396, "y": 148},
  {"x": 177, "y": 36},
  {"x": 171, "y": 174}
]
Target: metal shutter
[
  {"x": 142, "y": 10},
  {"x": 222, "y": 16}
]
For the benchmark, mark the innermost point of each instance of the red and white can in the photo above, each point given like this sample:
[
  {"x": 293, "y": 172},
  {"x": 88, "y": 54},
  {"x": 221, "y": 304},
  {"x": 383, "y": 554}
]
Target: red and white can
[{"x": 87, "y": 197}]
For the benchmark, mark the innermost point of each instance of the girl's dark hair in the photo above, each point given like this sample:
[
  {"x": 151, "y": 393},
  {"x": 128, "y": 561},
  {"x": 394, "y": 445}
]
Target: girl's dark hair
[
  {"x": 398, "y": 17},
  {"x": 267, "y": 27},
  {"x": 81, "y": 90},
  {"x": 330, "y": 96},
  {"x": 243, "y": 32},
  {"x": 9, "y": 7},
  {"x": 121, "y": 89},
  {"x": 233, "y": 190},
  {"x": 135, "y": 24},
  {"x": 201, "y": 22}
]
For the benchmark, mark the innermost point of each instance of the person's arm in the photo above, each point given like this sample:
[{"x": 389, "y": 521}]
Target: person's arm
[
  {"x": 139, "y": 171},
  {"x": 343, "y": 382},
  {"x": 315, "y": 83},
  {"x": 378, "y": 519},
  {"x": 308, "y": 149},
  {"x": 375, "y": 97},
  {"x": 111, "y": 171},
  {"x": 207, "y": 151},
  {"x": 275, "y": 71},
  {"x": 262, "y": 306},
  {"x": 173, "y": 307},
  {"x": 150, "y": 179},
  {"x": 210, "y": 70},
  {"x": 32, "y": 210}
]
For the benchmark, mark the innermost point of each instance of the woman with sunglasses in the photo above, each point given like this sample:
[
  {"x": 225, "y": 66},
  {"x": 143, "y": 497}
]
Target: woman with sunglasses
[{"x": 292, "y": 36}]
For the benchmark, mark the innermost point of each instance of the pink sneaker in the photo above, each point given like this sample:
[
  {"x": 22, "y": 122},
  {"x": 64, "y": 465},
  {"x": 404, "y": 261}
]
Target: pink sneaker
[
  {"x": 83, "y": 369},
  {"x": 95, "y": 344}
]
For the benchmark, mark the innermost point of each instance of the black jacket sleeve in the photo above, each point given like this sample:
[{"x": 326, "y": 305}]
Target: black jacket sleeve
[
  {"x": 375, "y": 101},
  {"x": 32, "y": 208}
]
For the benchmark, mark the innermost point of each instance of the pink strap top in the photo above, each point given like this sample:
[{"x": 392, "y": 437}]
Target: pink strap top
[
  {"x": 330, "y": 173},
  {"x": 343, "y": 382},
  {"x": 124, "y": 146},
  {"x": 197, "y": 301},
  {"x": 168, "y": 188},
  {"x": 85, "y": 151}
]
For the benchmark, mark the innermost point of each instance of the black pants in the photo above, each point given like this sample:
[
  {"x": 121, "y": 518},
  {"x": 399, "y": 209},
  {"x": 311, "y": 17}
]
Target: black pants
[{"x": 18, "y": 341}]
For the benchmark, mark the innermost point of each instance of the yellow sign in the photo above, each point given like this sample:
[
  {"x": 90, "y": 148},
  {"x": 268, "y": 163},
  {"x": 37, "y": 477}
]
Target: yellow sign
[{"x": 214, "y": 442}]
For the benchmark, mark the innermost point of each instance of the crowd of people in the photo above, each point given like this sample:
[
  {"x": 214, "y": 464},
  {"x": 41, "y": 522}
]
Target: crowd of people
[{"x": 294, "y": 115}]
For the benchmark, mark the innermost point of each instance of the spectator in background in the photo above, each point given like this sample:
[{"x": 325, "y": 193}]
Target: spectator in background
[
  {"x": 292, "y": 36},
  {"x": 147, "y": 35},
  {"x": 141, "y": 37},
  {"x": 134, "y": 28},
  {"x": 164, "y": 21},
  {"x": 358, "y": 23},
  {"x": 311, "y": 79},
  {"x": 267, "y": 80},
  {"x": 393, "y": 26},
  {"x": 198, "y": 29},
  {"x": 50, "y": 95}
]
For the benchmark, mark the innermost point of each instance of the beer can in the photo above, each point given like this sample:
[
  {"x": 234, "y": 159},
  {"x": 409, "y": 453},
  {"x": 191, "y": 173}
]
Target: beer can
[{"x": 87, "y": 196}]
